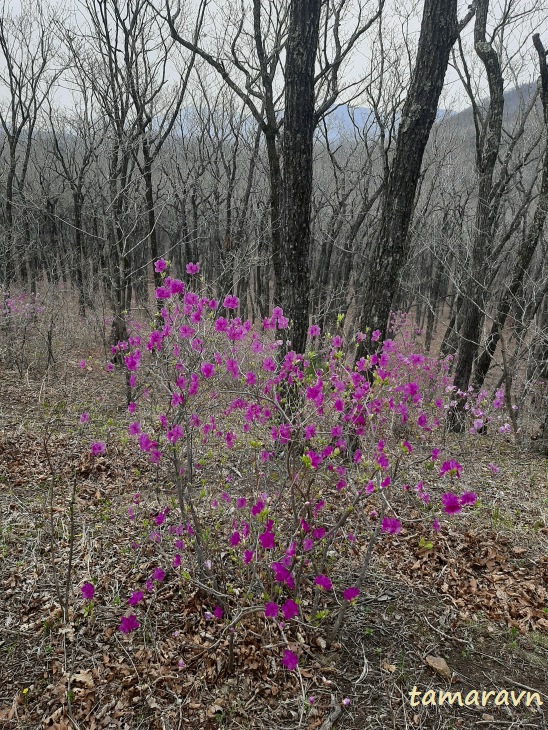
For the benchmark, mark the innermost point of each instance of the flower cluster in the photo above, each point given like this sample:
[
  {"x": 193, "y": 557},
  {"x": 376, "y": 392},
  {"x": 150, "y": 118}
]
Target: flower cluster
[{"x": 319, "y": 434}]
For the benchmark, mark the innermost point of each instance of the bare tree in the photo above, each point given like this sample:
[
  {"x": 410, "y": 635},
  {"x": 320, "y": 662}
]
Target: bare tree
[
  {"x": 28, "y": 48},
  {"x": 439, "y": 31}
]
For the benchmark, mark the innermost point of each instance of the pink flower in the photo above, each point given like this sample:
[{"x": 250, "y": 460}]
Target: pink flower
[
  {"x": 451, "y": 467},
  {"x": 97, "y": 448},
  {"x": 248, "y": 556},
  {"x": 283, "y": 575},
  {"x": 351, "y": 593},
  {"x": 160, "y": 265},
  {"x": 84, "y": 418},
  {"x": 218, "y": 612},
  {"x": 290, "y": 660},
  {"x": 375, "y": 335},
  {"x": 231, "y": 302},
  {"x": 177, "y": 561},
  {"x": 88, "y": 591},
  {"x": 468, "y": 498},
  {"x": 128, "y": 623},
  {"x": 494, "y": 468},
  {"x": 235, "y": 539},
  {"x": 208, "y": 369},
  {"x": 192, "y": 268},
  {"x": 323, "y": 582},
  {"x": 135, "y": 598},
  {"x": 267, "y": 540},
  {"x": 162, "y": 292},
  {"x": 435, "y": 454},
  {"x": 82, "y": 364},
  {"x": 436, "y": 525},
  {"x": 290, "y": 609},
  {"x": 391, "y": 525},
  {"x": 258, "y": 507},
  {"x": 158, "y": 574},
  {"x": 271, "y": 609},
  {"x": 451, "y": 503},
  {"x": 314, "y": 331}
]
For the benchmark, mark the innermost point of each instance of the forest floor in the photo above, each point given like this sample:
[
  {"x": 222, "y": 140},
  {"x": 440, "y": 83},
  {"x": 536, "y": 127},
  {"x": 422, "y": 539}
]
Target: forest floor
[{"x": 476, "y": 599}]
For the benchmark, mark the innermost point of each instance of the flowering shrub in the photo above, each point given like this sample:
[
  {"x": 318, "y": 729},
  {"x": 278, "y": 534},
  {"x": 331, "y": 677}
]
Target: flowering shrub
[{"x": 333, "y": 455}]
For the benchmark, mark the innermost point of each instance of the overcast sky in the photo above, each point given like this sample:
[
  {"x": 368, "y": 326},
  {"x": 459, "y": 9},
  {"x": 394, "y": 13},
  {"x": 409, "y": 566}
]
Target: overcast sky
[{"x": 402, "y": 21}]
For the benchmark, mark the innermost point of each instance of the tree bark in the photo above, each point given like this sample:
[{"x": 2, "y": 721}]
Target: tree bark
[
  {"x": 293, "y": 260},
  {"x": 528, "y": 246},
  {"x": 487, "y": 153},
  {"x": 439, "y": 31}
]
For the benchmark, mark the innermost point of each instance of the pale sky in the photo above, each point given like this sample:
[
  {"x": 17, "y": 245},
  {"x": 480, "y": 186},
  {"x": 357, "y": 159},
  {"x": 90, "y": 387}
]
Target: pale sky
[{"x": 402, "y": 18}]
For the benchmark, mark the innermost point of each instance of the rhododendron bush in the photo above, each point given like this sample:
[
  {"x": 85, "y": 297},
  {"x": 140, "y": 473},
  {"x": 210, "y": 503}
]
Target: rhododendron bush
[{"x": 317, "y": 457}]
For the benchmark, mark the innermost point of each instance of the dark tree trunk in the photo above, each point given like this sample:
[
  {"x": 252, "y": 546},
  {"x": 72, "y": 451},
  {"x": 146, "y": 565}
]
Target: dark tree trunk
[
  {"x": 151, "y": 210},
  {"x": 292, "y": 262},
  {"x": 487, "y": 153},
  {"x": 439, "y": 31},
  {"x": 528, "y": 245}
]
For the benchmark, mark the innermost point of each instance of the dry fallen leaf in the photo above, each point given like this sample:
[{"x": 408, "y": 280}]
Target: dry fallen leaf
[
  {"x": 387, "y": 666},
  {"x": 85, "y": 678},
  {"x": 439, "y": 665}
]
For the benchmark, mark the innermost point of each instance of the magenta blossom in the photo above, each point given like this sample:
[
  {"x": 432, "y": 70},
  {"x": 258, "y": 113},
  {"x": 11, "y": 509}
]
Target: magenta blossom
[
  {"x": 248, "y": 556},
  {"x": 160, "y": 265},
  {"x": 88, "y": 591},
  {"x": 135, "y": 598},
  {"x": 350, "y": 594},
  {"x": 451, "y": 503},
  {"x": 290, "y": 660},
  {"x": 391, "y": 525},
  {"x": 267, "y": 540},
  {"x": 158, "y": 574},
  {"x": 208, "y": 369},
  {"x": 468, "y": 498},
  {"x": 231, "y": 302},
  {"x": 218, "y": 612},
  {"x": 323, "y": 582},
  {"x": 290, "y": 609},
  {"x": 128, "y": 624},
  {"x": 192, "y": 268},
  {"x": 271, "y": 609},
  {"x": 451, "y": 467},
  {"x": 97, "y": 448},
  {"x": 84, "y": 418}
]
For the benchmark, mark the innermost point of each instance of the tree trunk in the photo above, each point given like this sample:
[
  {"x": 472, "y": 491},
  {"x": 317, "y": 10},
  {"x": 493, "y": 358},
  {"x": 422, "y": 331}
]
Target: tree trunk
[
  {"x": 488, "y": 149},
  {"x": 439, "y": 31},
  {"x": 293, "y": 284},
  {"x": 528, "y": 246}
]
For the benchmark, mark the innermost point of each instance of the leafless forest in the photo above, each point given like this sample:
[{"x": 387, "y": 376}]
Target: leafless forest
[
  {"x": 273, "y": 344},
  {"x": 309, "y": 160}
]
